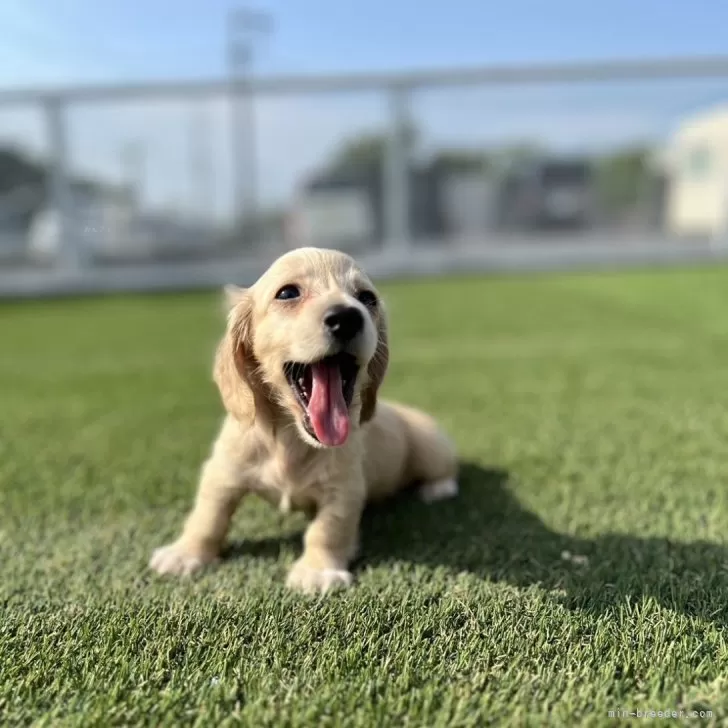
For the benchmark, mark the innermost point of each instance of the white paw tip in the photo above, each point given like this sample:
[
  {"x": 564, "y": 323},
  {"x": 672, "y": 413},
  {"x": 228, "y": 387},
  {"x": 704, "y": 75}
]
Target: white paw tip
[
  {"x": 439, "y": 490},
  {"x": 171, "y": 560},
  {"x": 312, "y": 581}
]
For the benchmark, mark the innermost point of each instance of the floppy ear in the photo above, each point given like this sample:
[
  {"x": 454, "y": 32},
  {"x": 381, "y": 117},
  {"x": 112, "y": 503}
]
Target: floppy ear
[
  {"x": 376, "y": 370},
  {"x": 233, "y": 296},
  {"x": 233, "y": 372}
]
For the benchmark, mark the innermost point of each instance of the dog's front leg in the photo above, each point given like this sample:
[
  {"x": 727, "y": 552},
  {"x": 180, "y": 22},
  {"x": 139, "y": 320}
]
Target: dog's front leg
[
  {"x": 331, "y": 540},
  {"x": 207, "y": 524}
]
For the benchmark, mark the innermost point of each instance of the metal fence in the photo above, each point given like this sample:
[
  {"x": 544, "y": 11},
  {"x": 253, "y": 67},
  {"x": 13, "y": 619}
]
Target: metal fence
[{"x": 176, "y": 185}]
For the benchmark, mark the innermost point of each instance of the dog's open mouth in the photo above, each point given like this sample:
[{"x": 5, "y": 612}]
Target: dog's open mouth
[{"x": 324, "y": 390}]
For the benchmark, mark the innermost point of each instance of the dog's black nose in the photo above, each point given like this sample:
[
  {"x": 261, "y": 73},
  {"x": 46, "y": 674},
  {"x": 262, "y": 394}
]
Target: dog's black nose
[{"x": 344, "y": 322}]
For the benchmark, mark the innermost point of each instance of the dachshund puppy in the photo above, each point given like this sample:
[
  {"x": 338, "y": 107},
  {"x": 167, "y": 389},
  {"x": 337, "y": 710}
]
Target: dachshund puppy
[{"x": 298, "y": 370}]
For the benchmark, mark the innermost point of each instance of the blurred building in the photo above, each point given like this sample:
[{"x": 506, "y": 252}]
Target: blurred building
[
  {"x": 339, "y": 210},
  {"x": 697, "y": 163},
  {"x": 345, "y": 208},
  {"x": 99, "y": 216},
  {"x": 547, "y": 193}
]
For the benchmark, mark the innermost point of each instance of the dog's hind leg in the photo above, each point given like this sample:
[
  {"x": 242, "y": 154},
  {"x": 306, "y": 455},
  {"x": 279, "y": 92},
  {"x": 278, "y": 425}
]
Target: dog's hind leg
[
  {"x": 432, "y": 460},
  {"x": 436, "y": 490}
]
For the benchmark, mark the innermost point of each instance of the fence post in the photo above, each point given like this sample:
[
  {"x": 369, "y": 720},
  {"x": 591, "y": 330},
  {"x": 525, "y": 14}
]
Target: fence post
[
  {"x": 59, "y": 189},
  {"x": 397, "y": 174}
]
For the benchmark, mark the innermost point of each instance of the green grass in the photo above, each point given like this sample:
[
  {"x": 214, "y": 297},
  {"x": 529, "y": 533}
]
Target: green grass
[{"x": 591, "y": 414}]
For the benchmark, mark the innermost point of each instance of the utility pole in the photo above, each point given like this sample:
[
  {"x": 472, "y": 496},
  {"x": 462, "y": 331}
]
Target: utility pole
[{"x": 243, "y": 26}]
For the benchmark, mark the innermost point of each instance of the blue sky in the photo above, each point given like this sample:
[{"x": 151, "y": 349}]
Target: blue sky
[{"x": 44, "y": 42}]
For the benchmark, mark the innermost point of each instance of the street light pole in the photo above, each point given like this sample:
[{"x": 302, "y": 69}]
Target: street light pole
[{"x": 242, "y": 26}]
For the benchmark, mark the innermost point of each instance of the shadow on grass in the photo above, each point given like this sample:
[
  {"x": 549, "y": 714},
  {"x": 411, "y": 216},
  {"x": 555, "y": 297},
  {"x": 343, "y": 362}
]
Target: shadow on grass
[{"x": 487, "y": 532}]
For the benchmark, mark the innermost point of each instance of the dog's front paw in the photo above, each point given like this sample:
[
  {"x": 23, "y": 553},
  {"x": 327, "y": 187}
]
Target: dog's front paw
[
  {"x": 305, "y": 578},
  {"x": 175, "y": 559}
]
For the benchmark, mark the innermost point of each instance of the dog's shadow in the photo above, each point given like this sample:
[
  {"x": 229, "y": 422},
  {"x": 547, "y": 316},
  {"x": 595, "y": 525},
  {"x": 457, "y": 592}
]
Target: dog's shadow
[{"x": 485, "y": 531}]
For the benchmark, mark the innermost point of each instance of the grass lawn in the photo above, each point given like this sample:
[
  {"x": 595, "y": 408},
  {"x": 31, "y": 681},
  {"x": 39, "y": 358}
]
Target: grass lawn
[{"x": 584, "y": 569}]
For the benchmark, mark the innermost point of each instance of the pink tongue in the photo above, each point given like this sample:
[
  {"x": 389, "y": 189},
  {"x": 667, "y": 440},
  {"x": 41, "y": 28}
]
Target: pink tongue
[{"x": 327, "y": 410}]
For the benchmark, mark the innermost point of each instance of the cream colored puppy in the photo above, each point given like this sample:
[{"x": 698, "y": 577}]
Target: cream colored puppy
[{"x": 298, "y": 370}]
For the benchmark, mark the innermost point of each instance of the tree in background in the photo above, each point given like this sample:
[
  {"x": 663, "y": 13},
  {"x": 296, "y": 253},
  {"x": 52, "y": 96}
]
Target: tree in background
[
  {"x": 22, "y": 188},
  {"x": 621, "y": 177},
  {"x": 18, "y": 170},
  {"x": 515, "y": 153},
  {"x": 461, "y": 160},
  {"x": 366, "y": 151}
]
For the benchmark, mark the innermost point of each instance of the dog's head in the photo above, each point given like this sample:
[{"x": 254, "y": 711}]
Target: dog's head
[{"x": 306, "y": 344}]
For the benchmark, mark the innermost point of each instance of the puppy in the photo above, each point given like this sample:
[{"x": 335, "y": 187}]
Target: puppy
[{"x": 298, "y": 370}]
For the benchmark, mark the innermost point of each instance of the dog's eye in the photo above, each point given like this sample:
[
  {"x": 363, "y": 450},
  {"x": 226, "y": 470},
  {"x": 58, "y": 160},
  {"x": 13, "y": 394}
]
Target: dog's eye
[
  {"x": 367, "y": 298},
  {"x": 288, "y": 292}
]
